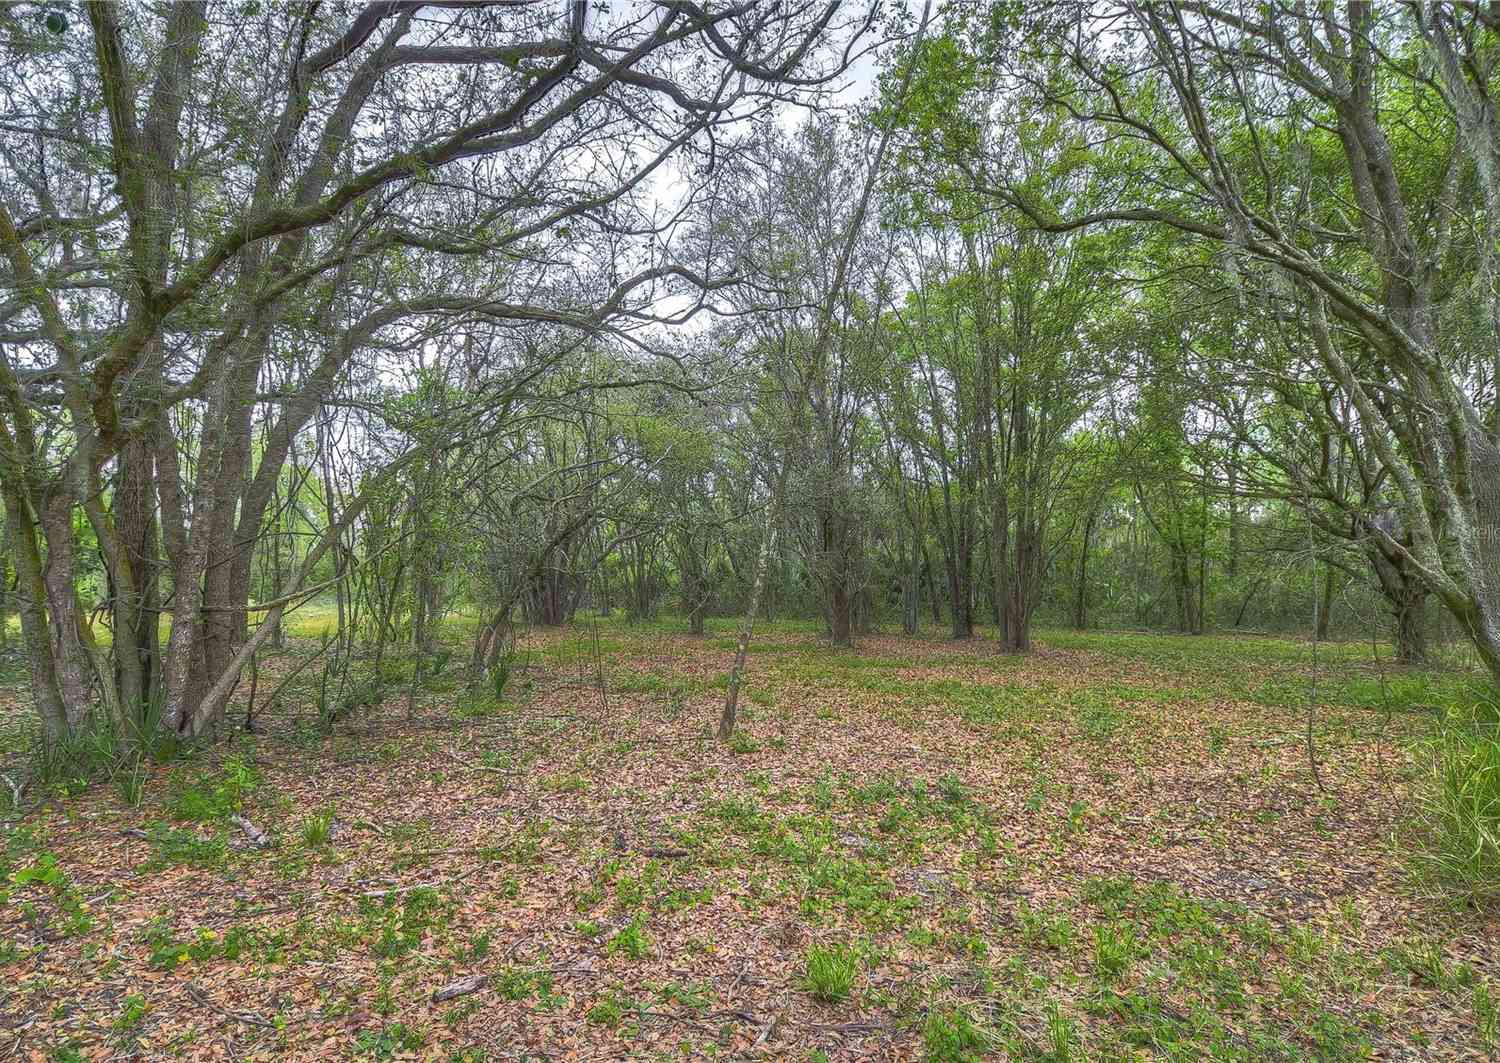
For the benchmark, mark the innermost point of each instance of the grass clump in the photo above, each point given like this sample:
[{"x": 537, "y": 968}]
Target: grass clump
[
  {"x": 1113, "y": 950},
  {"x": 1458, "y": 808},
  {"x": 317, "y": 829},
  {"x": 104, "y": 748},
  {"x": 951, "y": 1035},
  {"x": 831, "y": 970}
]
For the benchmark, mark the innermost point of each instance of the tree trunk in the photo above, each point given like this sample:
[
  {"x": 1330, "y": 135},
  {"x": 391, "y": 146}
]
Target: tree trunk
[
  {"x": 1325, "y": 603},
  {"x": 1000, "y": 562},
  {"x": 31, "y": 598},
  {"x": 1406, "y": 597},
  {"x": 934, "y": 599},
  {"x": 834, "y": 568},
  {"x": 1080, "y": 595},
  {"x": 911, "y": 590},
  {"x": 70, "y": 651},
  {"x": 1411, "y": 630},
  {"x": 729, "y": 715},
  {"x": 841, "y": 616},
  {"x": 137, "y": 639},
  {"x": 1023, "y": 584},
  {"x": 960, "y": 593}
]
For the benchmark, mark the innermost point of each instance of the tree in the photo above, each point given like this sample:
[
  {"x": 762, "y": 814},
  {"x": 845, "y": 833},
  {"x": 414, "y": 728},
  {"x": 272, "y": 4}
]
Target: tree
[
  {"x": 1218, "y": 111},
  {"x": 1020, "y": 320},
  {"x": 420, "y": 170}
]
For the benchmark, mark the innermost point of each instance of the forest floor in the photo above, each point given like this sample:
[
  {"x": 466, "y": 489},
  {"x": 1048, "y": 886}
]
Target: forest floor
[{"x": 1111, "y": 848}]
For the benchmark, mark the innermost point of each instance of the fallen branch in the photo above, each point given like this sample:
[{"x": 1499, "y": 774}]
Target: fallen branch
[
  {"x": 461, "y": 988},
  {"x": 258, "y": 838},
  {"x": 733, "y": 1013},
  {"x": 249, "y": 1018},
  {"x": 622, "y": 844},
  {"x": 851, "y": 1027}
]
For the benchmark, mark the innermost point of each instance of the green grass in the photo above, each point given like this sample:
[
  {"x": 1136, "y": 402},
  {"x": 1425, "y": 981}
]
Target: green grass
[
  {"x": 927, "y": 814},
  {"x": 317, "y": 829},
  {"x": 1457, "y": 822},
  {"x": 951, "y": 1034},
  {"x": 831, "y": 972}
]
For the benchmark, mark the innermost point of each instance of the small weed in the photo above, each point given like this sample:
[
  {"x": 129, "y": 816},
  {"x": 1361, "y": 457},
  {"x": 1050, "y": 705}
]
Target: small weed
[
  {"x": 1062, "y": 1033},
  {"x": 608, "y": 1010},
  {"x": 741, "y": 744},
  {"x": 695, "y": 997},
  {"x": 210, "y": 797},
  {"x": 1486, "y": 1019},
  {"x": 831, "y": 971},
  {"x": 631, "y": 940},
  {"x": 131, "y": 784},
  {"x": 1100, "y": 719},
  {"x": 950, "y": 1035},
  {"x": 396, "y": 1039},
  {"x": 317, "y": 829},
  {"x": 953, "y": 789},
  {"x": 522, "y": 983},
  {"x": 132, "y": 1013},
  {"x": 479, "y": 946},
  {"x": 1113, "y": 950}
]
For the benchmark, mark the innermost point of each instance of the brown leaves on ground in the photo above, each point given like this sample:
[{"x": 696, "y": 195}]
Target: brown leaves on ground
[{"x": 1072, "y": 851}]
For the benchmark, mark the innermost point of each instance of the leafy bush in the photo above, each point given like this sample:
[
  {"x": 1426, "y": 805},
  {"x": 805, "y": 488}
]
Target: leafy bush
[{"x": 1458, "y": 807}]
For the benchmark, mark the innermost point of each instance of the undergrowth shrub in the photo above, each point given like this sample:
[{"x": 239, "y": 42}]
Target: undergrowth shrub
[
  {"x": 102, "y": 749},
  {"x": 216, "y": 795},
  {"x": 1458, "y": 806}
]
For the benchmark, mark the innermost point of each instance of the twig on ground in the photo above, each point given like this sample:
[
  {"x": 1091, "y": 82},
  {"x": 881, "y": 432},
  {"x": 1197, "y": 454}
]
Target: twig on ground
[{"x": 249, "y": 1018}]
